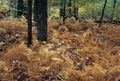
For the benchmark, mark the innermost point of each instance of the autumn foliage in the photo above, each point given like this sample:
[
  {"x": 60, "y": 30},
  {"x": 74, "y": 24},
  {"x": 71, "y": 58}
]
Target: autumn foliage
[{"x": 76, "y": 51}]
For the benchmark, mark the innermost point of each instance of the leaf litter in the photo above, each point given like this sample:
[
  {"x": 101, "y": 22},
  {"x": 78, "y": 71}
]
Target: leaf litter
[{"x": 78, "y": 51}]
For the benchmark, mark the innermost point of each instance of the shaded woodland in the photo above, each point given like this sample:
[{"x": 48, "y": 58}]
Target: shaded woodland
[{"x": 59, "y": 40}]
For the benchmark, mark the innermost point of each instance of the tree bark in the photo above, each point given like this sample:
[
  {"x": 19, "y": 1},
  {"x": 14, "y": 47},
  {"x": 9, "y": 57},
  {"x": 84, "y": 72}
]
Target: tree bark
[
  {"x": 102, "y": 13},
  {"x": 61, "y": 8},
  {"x": 41, "y": 20},
  {"x": 29, "y": 22},
  {"x": 75, "y": 10},
  {"x": 70, "y": 8},
  {"x": 20, "y": 8},
  {"x": 35, "y": 9},
  {"x": 114, "y": 5},
  {"x": 64, "y": 12}
]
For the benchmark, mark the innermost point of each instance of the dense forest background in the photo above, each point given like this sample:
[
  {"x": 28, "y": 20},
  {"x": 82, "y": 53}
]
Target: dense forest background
[
  {"x": 88, "y": 9},
  {"x": 59, "y": 40}
]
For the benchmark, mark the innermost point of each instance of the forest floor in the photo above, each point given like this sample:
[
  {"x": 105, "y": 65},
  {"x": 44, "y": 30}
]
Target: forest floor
[{"x": 76, "y": 51}]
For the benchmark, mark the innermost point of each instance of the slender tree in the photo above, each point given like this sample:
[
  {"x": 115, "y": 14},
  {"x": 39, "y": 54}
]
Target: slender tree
[
  {"x": 41, "y": 20},
  {"x": 29, "y": 22},
  {"x": 20, "y": 8},
  {"x": 75, "y": 10},
  {"x": 114, "y": 5},
  {"x": 35, "y": 9},
  {"x": 102, "y": 13},
  {"x": 61, "y": 8},
  {"x": 70, "y": 8},
  {"x": 64, "y": 11}
]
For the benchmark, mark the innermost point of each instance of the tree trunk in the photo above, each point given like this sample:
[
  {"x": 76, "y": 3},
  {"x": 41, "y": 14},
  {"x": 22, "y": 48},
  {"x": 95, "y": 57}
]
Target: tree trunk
[
  {"x": 29, "y": 22},
  {"x": 64, "y": 14},
  {"x": 61, "y": 8},
  {"x": 41, "y": 20},
  {"x": 102, "y": 13},
  {"x": 70, "y": 8},
  {"x": 75, "y": 10},
  {"x": 20, "y": 7},
  {"x": 114, "y": 5},
  {"x": 35, "y": 9}
]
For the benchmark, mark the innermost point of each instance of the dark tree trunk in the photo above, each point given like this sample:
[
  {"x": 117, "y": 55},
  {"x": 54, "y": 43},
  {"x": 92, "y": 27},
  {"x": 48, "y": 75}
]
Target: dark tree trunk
[
  {"x": 114, "y": 5},
  {"x": 102, "y": 13},
  {"x": 64, "y": 13},
  {"x": 41, "y": 20},
  {"x": 29, "y": 22},
  {"x": 75, "y": 10},
  {"x": 20, "y": 7},
  {"x": 70, "y": 8},
  {"x": 61, "y": 8},
  {"x": 35, "y": 9}
]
